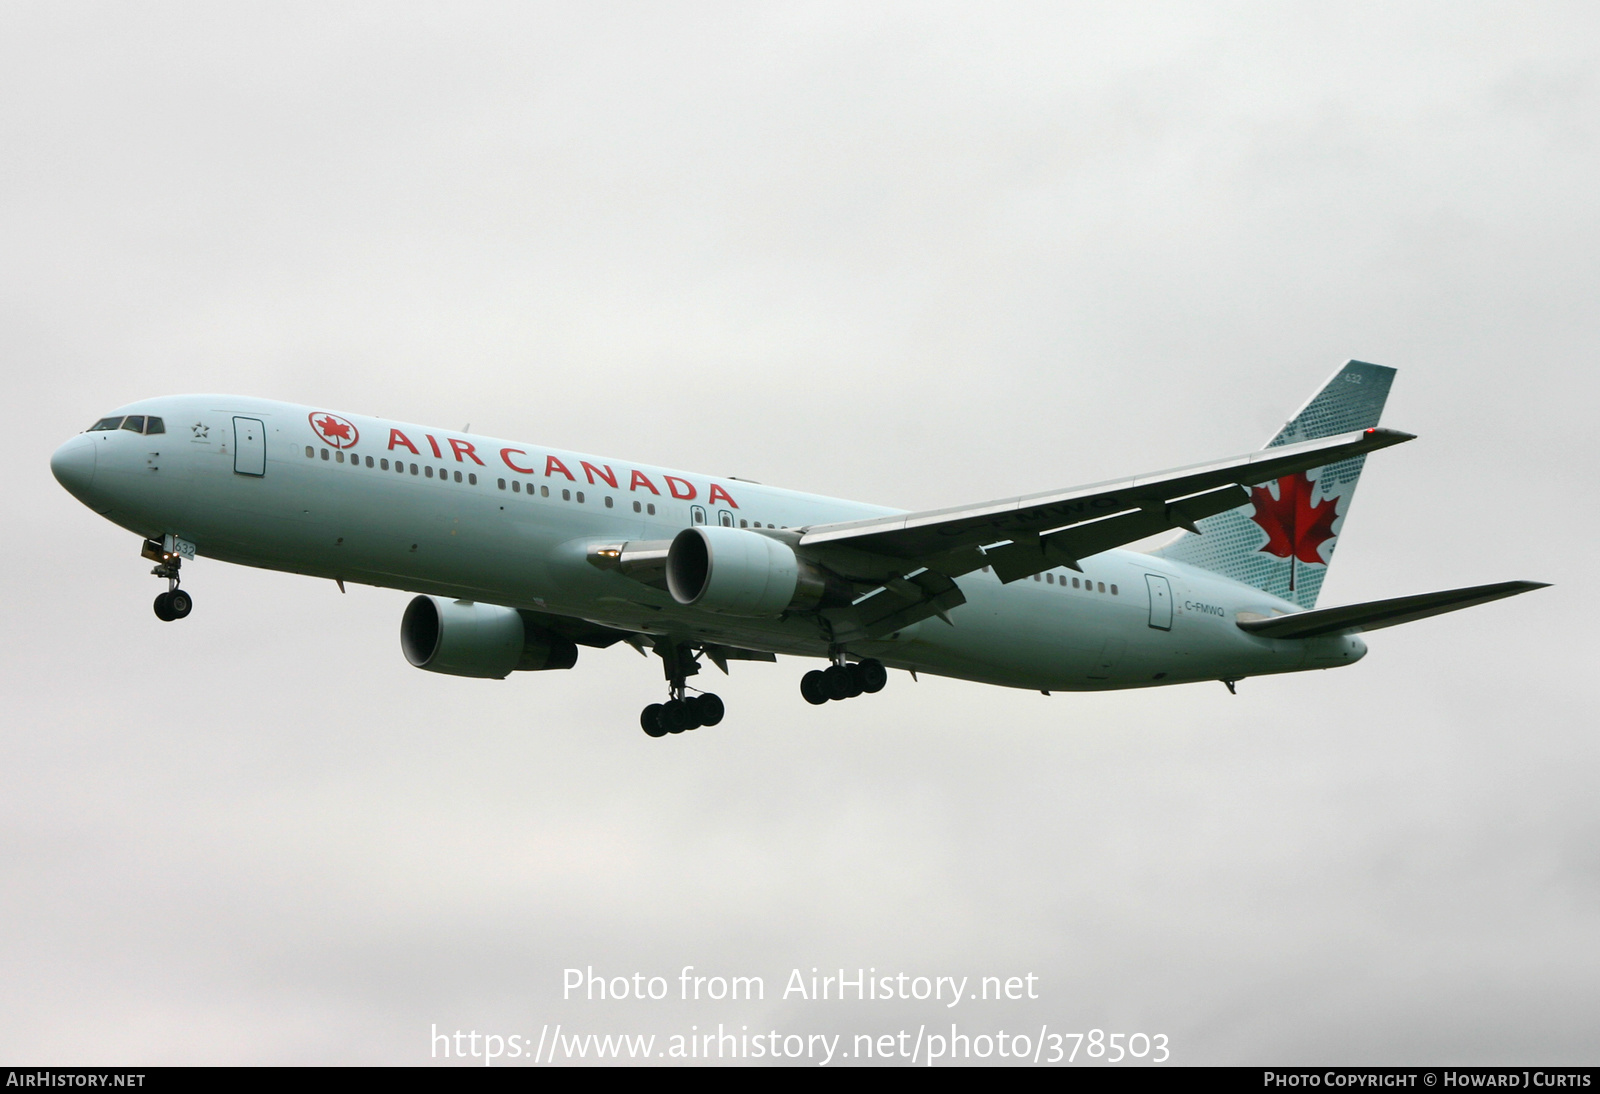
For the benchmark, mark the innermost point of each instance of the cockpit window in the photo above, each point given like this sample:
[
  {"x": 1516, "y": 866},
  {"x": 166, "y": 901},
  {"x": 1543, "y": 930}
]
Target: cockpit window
[
  {"x": 106, "y": 423},
  {"x": 134, "y": 423},
  {"x": 154, "y": 425}
]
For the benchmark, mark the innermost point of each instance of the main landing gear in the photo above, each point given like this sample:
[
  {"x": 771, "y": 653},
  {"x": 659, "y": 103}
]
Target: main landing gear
[
  {"x": 843, "y": 681},
  {"x": 174, "y": 603},
  {"x": 680, "y": 712},
  {"x": 678, "y": 715}
]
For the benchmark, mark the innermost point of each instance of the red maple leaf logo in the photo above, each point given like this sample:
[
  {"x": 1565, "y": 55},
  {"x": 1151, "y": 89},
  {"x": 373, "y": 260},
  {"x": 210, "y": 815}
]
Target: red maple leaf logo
[
  {"x": 333, "y": 428},
  {"x": 336, "y": 431},
  {"x": 1296, "y": 528}
]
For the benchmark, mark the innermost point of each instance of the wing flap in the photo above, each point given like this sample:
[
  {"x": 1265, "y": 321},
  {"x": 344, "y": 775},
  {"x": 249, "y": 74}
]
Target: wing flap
[
  {"x": 900, "y": 602},
  {"x": 1023, "y": 558},
  {"x": 1376, "y": 614}
]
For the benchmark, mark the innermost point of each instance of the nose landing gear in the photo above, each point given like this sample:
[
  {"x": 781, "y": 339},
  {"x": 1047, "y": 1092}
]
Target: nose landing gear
[{"x": 174, "y": 603}]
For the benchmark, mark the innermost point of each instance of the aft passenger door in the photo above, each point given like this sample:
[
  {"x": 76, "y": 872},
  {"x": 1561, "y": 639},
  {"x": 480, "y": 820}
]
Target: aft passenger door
[
  {"x": 250, "y": 447},
  {"x": 1160, "y": 601}
]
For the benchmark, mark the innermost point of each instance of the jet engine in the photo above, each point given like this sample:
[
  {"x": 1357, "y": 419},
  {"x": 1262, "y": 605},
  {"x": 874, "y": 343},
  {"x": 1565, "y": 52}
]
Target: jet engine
[
  {"x": 740, "y": 572},
  {"x": 462, "y": 638}
]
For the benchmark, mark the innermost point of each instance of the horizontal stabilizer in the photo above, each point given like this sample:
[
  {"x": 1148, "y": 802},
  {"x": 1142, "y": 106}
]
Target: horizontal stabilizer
[{"x": 1376, "y": 614}]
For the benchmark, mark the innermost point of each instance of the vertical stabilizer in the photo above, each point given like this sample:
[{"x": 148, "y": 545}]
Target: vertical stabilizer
[{"x": 1283, "y": 541}]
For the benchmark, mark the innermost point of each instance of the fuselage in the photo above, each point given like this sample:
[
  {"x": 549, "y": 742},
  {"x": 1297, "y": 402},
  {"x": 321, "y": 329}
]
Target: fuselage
[{"x": 470, "y": 517}]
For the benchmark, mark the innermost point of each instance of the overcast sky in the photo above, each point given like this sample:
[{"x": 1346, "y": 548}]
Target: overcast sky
[{"x": 911, "y": 254}]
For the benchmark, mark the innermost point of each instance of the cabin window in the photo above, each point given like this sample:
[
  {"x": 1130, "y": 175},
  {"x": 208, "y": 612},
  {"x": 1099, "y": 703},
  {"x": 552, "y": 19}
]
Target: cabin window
[
  {"x": 413, "y": 469},
  {"x": 1036, "y": 577},
  {"x": 637, "y": 507},
  {"x": 383, "y": 465},
  {"x": 608, "y": 501},
  {"x": 1102, "y": 586},
  {"x": 428, "y": 471},
  {"x": 1113, "y": 590},
  {"x": 154, "y": 425},
  {"x": 746, "y": 524},
  {"x": 338, "y": 455},
  {"x": 311, "y": 453},
  {"x": 650, "y": 508},
  {"x": 134, "y": 423},
  {"x": 324, "y": 453},
  {"x": 698, "y": 514},
  {"x": 105, "y": 423},
  {"x": 1049, "y": 579},
  {"x": 566, "y": 495},
  {"x": 516, "y": 487},
  {"x": 1074, "y": 583},
  {"x": 544, "y": 491},
  {"x": 472, "y": 479},
  {"x": 458, "y": 476},
  {"x": 502, "y": 483},
  {"x": 580, "y": 497},
  {"x": 369, "y": 461}
]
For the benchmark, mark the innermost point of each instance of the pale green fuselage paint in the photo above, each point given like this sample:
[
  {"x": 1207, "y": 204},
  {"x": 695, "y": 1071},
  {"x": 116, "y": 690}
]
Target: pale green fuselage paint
[{"x": 324, "y": 518}]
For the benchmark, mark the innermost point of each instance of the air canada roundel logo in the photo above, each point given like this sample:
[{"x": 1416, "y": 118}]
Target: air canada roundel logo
[{"x": 338, "y": 432}]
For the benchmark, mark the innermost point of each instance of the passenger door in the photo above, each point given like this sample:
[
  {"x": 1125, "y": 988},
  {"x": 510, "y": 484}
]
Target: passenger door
[
  {"x": 1160, "y": 601},
  {"x": 249, "y": 447}
]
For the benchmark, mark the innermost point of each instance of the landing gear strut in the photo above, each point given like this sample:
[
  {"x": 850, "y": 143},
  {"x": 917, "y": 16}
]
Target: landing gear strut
[
  {"x": 680, "y": 712},
  {"x": 842, "y": 680},
  {"x": 174, "y": 603}
]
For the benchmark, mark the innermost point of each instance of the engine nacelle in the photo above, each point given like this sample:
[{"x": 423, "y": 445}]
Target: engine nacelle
[
  {"x": 740, "y": 572},
  {"x": 462, "y": 638}
]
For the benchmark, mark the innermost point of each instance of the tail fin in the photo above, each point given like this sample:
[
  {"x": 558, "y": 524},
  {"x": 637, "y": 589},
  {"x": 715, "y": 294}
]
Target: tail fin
[{"x": 1283, "y": 542}]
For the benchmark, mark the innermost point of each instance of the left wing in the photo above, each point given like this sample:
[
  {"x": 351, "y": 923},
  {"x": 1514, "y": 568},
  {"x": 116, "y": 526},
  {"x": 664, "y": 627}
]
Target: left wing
[
  {"x": 1075, "y": 523},
  {"x": 912, "y": 558}
]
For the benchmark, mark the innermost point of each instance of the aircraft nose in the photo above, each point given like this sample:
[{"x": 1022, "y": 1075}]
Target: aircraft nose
[{"x": 73, "y": 465}]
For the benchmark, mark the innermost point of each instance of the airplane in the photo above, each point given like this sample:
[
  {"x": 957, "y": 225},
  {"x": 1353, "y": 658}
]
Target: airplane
[{"x": 519, "y": 553}]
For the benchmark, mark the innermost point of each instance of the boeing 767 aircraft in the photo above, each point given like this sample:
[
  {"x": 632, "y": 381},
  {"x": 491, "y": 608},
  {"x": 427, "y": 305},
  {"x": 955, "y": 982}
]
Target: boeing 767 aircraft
[{"x": 522, "y": 553}]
